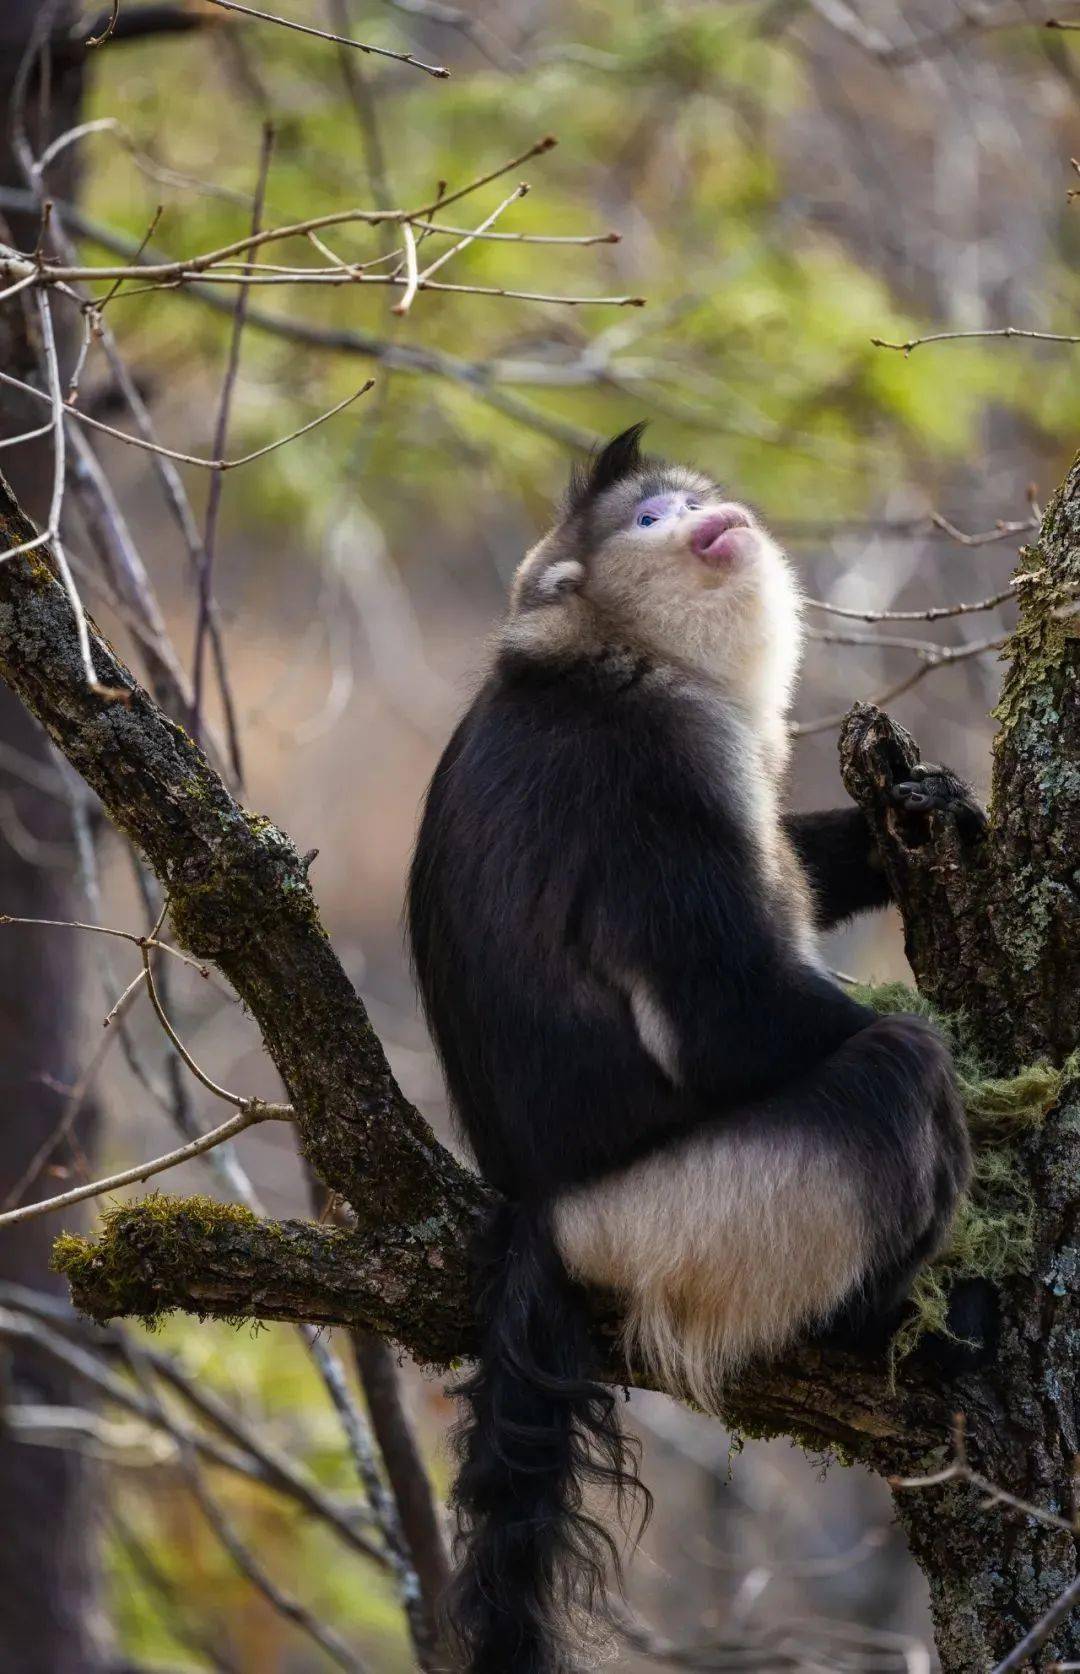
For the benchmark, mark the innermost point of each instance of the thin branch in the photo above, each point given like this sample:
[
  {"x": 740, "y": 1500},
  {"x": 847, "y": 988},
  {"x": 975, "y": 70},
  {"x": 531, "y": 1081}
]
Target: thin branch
[
  {"x": 14, "y": 265},
  {"x": 205, "y": 571},
  {"x": 961, "y": 1471},
  {"x": 27, "y": 436},
  {"x": 252, "y": 1113},
  {"x": 69, "y": 1115},
  {"x": 108, "y": 930},
  {"x": 989, "y": 331},
  {"x": 944, "y": 657},
  {"x": 436, "y": 70},
  {"x": 268, "y": 1464},
  {"x": 20, "y": 285},
  {"x": 278, "y": 1111},
  {"x": 100, "y": 125},
  {"x": 933, "y": 613},
  {"x": 99, "y": 40},
  {"x": 325, "y": 1637},
  {"x": 346, "y": 275},
  {"x": 580, "y": 239},
  {"x": 121, "y": 1003},
  {"x": 56, "y": 396},
  {"x": 87, "y": 1366},
  {"x": 463, "y": 243},
  {"x": 1000, "y": 532},
  {"x": 174, "y": 453}
]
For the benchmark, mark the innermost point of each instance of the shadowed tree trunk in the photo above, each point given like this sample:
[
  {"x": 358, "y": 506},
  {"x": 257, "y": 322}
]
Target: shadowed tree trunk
[
  {"x": 46, "y": 1576},
  {"x": 993, "y": 932}
]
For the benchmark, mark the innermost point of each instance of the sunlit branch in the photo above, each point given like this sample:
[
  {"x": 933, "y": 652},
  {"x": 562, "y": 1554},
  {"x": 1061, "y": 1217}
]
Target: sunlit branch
[
  {"x": 412, "y": 276},
  {"x": 988, "y": 331},
  {"x": 252, "y": 1113}
]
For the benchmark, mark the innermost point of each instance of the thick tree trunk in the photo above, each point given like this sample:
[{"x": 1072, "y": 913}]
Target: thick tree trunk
[{"x": 993, "y": 933}]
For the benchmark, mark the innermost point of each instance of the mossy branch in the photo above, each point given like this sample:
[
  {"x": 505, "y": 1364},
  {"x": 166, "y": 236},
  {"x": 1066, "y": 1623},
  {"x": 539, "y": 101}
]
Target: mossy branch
[
  {"x": 219, "y": 1261},
  {"x": 411, "y": 1285},
  {"x": 239, "y": 897}
]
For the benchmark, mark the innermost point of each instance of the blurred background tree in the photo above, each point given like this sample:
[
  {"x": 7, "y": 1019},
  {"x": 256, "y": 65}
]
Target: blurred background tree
[{"x": 790, "y": 179}]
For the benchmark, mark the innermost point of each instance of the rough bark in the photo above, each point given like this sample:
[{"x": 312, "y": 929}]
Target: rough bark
[
  {"x": 239, "y": 896},
  {"x": 990, "y": 932}
]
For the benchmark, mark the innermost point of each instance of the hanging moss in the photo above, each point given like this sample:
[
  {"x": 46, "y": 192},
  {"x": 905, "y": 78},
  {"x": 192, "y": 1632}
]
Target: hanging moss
[{"x": 993, "y": 1235}]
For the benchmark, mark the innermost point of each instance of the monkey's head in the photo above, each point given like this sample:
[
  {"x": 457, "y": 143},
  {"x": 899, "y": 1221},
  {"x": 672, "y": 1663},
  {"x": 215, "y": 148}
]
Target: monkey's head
[{"x": 659, "y": 557}]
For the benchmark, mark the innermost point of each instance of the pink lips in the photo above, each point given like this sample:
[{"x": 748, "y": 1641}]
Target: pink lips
[{"x": 717, "y": 539}]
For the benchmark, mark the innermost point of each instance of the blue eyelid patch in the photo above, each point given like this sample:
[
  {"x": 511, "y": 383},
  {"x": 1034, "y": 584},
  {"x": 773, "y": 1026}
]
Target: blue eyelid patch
[{"x": 650, "y": 511}]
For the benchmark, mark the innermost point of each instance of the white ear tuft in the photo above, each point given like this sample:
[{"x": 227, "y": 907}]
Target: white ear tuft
[{"x": 558, "y": 580}]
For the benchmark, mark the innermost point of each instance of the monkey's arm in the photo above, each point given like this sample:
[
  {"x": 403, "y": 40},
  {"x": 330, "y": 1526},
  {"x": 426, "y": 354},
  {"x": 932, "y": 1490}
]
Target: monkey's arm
[
  {"x": 840, "y": 859},
  {"x": 839, "y": 854}
]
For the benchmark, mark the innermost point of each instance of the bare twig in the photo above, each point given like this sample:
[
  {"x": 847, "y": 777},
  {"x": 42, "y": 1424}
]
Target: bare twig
[
  {"x": 961, "y": 1471},
  {"x": 944, "y": 656},
  {"x": 221, "y": 432},
  {"x": 989, "y": 331},
  {"x": 436, "y": 70},
  {"x": 932, "y": 613},
  {"x": 254, "y": 1111},
  {"x": 462, "y": 244},
  {"x": 69, "y": 1115},
  {"x": 108, "y": 930},
  {"x": 99, "y": 40},
  {"x": 249, "y": 1566},
  {"x": 412, "y": 277},
  {"x": 52, "y": 533},
  {"x": 175, "y": 453}
]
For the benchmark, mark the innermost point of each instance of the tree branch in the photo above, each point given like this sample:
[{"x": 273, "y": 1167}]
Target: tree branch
[
  {"x": 411, "y": 1284},
  {"x": 239, "y": 897}
]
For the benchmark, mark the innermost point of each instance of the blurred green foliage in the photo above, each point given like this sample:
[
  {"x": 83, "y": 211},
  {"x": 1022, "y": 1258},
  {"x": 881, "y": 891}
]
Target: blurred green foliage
[
  {"x": 753, "y": 354},
  {"x": 171, "y": 1587}
]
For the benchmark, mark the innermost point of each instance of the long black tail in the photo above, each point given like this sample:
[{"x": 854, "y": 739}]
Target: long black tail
[{"x": 539, "y": 1432}]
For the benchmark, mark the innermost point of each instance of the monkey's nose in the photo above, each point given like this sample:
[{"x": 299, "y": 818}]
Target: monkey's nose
[{"x": 704, "y": 536}]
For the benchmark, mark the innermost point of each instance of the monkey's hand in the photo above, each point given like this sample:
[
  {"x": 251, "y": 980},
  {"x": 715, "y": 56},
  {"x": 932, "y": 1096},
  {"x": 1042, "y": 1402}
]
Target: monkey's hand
[{"x": 935, "y": 790}]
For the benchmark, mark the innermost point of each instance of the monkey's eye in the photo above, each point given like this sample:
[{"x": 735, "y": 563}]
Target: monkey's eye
[{"x": 645, "y": 518}]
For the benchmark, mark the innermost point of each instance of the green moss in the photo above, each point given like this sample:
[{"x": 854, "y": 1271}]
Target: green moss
[
  {"x": 993, "y": 1234},
  {"x": 137, "y": 1243}
]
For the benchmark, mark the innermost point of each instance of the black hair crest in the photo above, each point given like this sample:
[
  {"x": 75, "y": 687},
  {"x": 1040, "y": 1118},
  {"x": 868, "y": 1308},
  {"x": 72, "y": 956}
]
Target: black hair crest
[{"x": 616, "y": 460}]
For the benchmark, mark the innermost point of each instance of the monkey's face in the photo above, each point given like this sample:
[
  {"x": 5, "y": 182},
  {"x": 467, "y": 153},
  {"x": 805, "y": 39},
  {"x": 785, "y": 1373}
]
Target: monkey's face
[
  {"x": 662, "y": 558},
  {"x": 672, "y": 540}
]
